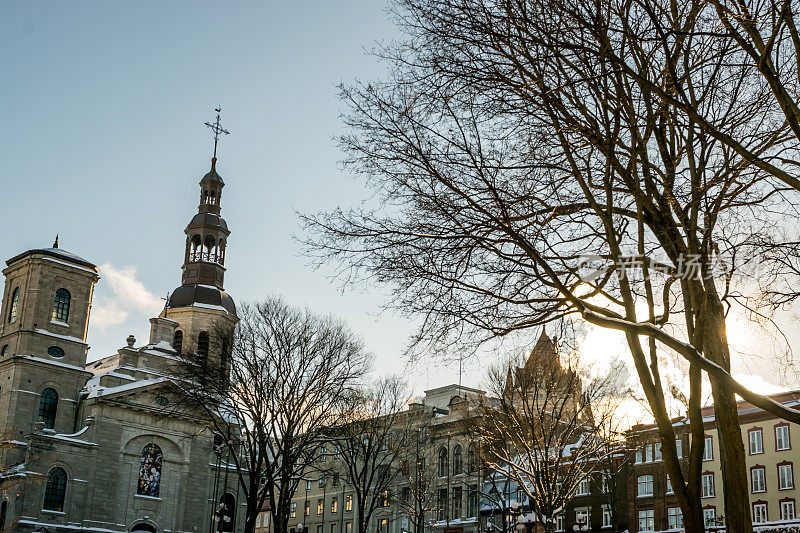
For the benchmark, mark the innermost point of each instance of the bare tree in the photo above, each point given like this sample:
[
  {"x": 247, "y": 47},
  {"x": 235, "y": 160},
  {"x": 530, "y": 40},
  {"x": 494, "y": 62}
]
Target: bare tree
[
  {"x": 14, "y": 476},
  {"x": 417, "y": 498},
  {"x": 272, "y": 395},
  {"x": 368, "y": 439},
  {"x": 546, "y": 430},
  {"x": 510, "y": 142}
]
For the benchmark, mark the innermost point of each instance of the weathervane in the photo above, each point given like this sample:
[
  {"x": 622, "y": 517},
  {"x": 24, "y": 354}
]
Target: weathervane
[{"x": 217, "y": 128}]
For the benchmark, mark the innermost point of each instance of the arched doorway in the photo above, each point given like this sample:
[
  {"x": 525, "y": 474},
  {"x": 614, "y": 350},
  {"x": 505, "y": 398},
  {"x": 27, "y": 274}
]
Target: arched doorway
[{"x": 144, "y": 527}]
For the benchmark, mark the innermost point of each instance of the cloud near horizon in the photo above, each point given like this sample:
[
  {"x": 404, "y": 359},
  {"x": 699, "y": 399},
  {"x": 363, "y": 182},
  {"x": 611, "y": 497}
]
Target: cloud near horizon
[{"x": 128, "y": 295}]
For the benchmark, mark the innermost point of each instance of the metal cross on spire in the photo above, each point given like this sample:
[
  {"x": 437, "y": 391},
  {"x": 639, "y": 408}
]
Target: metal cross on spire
[{"x": 217, "y": 128}]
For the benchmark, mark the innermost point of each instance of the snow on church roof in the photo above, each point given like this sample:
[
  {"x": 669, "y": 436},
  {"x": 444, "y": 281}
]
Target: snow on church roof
[
  {"x": 96, "y": 391},
  {"x": 55, "y": 252}
]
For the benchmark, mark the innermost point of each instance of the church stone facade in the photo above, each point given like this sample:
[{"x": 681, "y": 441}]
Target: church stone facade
[{"x": 100, "y": 446}]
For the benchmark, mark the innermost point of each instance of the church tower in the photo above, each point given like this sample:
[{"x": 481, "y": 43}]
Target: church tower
[
  {"x": 45, "y": 315},
  {"x": 204, "y": 312}
]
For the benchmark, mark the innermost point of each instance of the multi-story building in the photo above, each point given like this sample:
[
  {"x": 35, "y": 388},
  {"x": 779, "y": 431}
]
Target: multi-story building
[
  {"x": 771, "y": 461},
  {"x": 99, "y": 446},
  {"x": 460, "y": 494}
]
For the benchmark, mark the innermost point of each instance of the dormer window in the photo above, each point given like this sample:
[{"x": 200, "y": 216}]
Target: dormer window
[
  {"x": 61, "y": 306},
  {"x": 12, "y": 310}
]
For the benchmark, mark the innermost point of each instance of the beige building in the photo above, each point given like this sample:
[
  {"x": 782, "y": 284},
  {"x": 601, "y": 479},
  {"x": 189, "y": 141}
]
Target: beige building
[
  {"x": 99, "y": 447},
  {"x": 772, "y": 452},
  {"x": 439, "y": 435}
]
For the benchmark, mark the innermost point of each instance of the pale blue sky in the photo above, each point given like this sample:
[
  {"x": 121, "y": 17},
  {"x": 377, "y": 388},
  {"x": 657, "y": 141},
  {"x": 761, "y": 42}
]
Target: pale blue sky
[{"x": 102, "y": 107}]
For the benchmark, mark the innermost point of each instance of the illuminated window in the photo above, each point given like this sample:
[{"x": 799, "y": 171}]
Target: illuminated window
[{"x": 674, "y": 518}]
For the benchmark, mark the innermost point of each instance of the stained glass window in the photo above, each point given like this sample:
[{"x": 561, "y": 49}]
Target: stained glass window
[{"x": 150, "y": 471}]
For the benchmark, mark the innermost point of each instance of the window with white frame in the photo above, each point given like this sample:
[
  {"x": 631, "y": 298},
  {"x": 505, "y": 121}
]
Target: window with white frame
[
  {"x": 787, "y": 510},
  {"x": 710, "y": 516},
  {"x": 638, "y": 459},
  {"x": 647, "y": 520},
  {"x": 782, "y": 438},
  {"x": 756, "y": 441},
  {"x": 785, "y": 476},
  {"x": 583, "y": 486},
  {"x": 608, "y": 520},
  {"x": 648, "y": 453},
  {"x": 679, "y": 447},
  {"x": 582, "y": 516},
  {"x": 758, "y": 479},
  {"x": 708, "y": 449},
  {"x": 674, "y": 518},
  {"x": 708, "y": 485},
  {"x": 605, "y": 477},
  {"x": 759, "y": 513},
  {"x": 657, "y": 451},
  {"x": 559, "y": 522},
  {"x": 669, "y": 485},
  {"x": 644, "y": 486}
]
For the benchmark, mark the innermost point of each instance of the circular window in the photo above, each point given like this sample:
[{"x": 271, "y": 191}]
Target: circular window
[
  {"x": 4, "y": 351},
  {"x": 55, "y": 351},
  {"x": 161, "y": 400}
]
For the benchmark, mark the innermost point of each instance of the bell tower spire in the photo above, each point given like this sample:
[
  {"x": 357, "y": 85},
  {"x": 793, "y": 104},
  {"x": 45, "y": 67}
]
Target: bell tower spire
[{"x": 207, "y": 233}]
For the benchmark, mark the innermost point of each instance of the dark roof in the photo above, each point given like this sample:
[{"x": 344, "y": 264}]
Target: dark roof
[
  {"x": 200, "y": 296},
  {"x": 213, "y": 176},
  {"x": 211, "y": 220},
  {"x": 57, "y": 253}
]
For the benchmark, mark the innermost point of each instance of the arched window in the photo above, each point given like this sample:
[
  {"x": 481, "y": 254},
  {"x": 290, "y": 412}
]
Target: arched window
[
  {"x": 443, "y": 462},
  {"x": 12, "y": 308},
  {"x": 48, "y": 405},
  {"x": 457, "y": 460},
  {"x": 3, "y": 513},
  {"x": 61, "y": 305},
  {"x": 56, "y": 490},
  {"x": 210, "y": 242},
  {"x": 150, "y": 471},
  {"x": 177, "y": 341},
  {"x": 196, "y": 248},
  {"x": 471, "y": 464},
  {"x": 202, "y": 344},
  {"x": 227, "y": 512},
  {"x": 4, "y": 350}
]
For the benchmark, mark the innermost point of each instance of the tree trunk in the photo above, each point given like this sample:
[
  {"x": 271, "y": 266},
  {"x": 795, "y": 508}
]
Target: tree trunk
[{"x": 731, "y": 448}]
